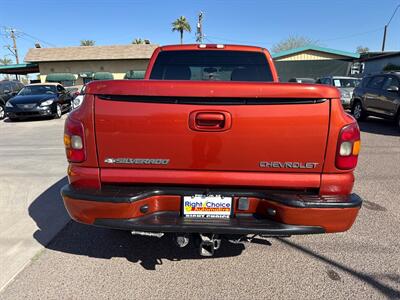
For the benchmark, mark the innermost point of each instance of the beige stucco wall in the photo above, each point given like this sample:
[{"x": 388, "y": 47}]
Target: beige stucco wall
[
  {"x": 117, "y": 67},
  {"x": 310, "y": 55}
]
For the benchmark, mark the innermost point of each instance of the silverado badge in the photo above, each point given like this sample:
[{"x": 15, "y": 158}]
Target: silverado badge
[{"x": 137, "y": 161}]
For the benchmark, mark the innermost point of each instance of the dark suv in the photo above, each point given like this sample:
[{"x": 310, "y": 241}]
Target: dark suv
[
  {"x": 8, "y": 89},
  {"x": 378, "y": 95}
]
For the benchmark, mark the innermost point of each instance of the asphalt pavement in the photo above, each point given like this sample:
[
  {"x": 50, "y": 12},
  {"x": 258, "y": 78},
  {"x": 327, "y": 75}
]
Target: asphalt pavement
[
  {"x": 363, "y": 263},
  {"x": 32, "y": 170}
]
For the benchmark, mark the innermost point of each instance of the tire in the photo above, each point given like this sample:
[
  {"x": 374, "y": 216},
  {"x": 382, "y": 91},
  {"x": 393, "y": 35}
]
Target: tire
[
  {"x": 2, "y": 112},
  {"x": 58, "y": 113},
  {"x": 358, "y": 111}
]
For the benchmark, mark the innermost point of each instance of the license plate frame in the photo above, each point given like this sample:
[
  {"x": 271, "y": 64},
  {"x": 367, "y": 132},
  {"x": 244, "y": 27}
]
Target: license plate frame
[{"x": 207, "y": 206}]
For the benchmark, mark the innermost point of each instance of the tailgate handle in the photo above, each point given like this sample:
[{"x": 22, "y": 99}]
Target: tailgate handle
[{"x": 210, "y": 120}]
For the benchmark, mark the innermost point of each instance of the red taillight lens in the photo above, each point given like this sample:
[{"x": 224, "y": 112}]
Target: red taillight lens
[
  {"x": 74, "y": 141},
  {"x": 348, "y": 147}
]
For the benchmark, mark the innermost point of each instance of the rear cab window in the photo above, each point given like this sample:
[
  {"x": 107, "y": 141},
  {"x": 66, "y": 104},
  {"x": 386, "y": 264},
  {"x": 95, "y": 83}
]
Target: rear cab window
[{"x": 212, "y": 65}]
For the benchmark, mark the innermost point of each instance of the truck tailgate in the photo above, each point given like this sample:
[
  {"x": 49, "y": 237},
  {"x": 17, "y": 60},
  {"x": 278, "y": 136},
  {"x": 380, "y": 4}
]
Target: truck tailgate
[{"x": 153, "y": 125}]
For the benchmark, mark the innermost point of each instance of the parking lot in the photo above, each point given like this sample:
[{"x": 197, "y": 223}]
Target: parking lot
[{"x": 88, "y": 262}]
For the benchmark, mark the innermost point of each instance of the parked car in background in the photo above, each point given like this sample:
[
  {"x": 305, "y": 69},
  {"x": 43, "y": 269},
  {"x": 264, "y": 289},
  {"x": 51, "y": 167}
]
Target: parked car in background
[
  {"x": 8, "y": 89},
  {"x": 302, "y": 80},
  {"x": 79, "y": 98},
  {"x": 73, "y": 90},
  {"x": 378, "y": 95},
  {"x": 345, "y": 85},
  {"x": 36, "y": 100}
]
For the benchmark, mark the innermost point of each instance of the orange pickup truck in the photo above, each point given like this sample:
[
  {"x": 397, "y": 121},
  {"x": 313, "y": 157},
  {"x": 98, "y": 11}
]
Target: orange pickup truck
[{"x": 211, "y": 146}]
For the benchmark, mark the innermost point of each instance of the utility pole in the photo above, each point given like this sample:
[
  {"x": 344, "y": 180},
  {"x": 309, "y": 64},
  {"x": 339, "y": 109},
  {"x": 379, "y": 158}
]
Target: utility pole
[
  {"x": 386, "y": 26},
  {"x": 12, "y": 33},
  {"x": 199, "y": 33},
  {"x": 384, "y": 38},
  {"x": 13, "y": 49}
]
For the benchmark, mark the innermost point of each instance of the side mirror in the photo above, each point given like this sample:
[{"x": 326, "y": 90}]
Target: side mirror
[{"x": 393, "y": 89}]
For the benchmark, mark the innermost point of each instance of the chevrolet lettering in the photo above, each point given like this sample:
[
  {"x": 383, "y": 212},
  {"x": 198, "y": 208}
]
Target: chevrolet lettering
[{"x": 288, "y": 165}]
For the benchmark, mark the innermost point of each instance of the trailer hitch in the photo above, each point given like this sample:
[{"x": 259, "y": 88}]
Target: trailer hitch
[{"x": 208, "y": 244}]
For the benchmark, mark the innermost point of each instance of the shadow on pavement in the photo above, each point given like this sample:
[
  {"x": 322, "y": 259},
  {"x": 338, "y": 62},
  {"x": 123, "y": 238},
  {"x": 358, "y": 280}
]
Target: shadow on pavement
[
  {"x": 105, "y": 243},
  {"x": 372, "y": 280},
  {"x": 49, "y": 213},
  {"x": 379, "y": 126},
  {"x": 79, "y": 239}
]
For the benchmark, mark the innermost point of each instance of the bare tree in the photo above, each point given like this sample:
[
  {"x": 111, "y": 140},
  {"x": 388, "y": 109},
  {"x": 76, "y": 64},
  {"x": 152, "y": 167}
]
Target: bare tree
[
  {"x": 294, "y": 42},
  {"x": 361, "y": 49}
]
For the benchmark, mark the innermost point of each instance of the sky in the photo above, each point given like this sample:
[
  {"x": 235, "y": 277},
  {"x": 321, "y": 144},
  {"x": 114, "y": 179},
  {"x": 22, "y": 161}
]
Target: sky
[{"x": 337, "y": 24}]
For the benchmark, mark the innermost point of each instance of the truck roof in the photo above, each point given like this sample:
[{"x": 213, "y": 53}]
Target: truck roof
[{"x": 211, "y": 47}]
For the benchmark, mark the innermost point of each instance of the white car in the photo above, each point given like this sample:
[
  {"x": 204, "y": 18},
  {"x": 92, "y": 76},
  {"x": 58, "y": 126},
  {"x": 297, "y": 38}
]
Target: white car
[
  {"x": 345, "y": 85},
  {"x": 79, "y": 99}
]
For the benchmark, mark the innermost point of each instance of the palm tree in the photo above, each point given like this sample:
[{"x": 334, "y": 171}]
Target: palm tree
[
  {"x": 181, "y": 24},
  {"x": 5, "y": 61},
  {"x": 138, "y": 41},
  {"x": 87, "y": 43}
]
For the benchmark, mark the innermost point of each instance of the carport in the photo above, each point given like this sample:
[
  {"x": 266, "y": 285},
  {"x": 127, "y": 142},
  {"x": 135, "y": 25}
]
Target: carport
[
  {"x": 19, "y": 69},
  {"x": 313, "y": 62}
]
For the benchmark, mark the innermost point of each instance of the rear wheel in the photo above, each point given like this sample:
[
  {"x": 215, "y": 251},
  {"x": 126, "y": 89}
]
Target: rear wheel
[
  {"x": 2, "y": 113},
  {"x": 358, "y": 111},
  {"x": 58, "y": 112}
]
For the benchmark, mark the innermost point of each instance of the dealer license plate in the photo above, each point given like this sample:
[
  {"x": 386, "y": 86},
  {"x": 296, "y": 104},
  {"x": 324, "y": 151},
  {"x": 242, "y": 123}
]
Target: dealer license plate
[{"x": 210, "y": 206}]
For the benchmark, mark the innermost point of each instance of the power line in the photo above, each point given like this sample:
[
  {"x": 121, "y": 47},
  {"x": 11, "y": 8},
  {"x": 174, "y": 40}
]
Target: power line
[
  {"x": 352, "y": 35},
  {"x": 237, "y": 41},
  {"x": 386, "y": 26},
  {"x": 32, "y": 37},
  {"x": 397, "y": 7},
  {"x": 37, "y": 39}
]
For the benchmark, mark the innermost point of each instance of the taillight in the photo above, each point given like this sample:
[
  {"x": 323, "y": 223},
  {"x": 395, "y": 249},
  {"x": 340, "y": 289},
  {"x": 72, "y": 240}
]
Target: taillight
[
  {"x": 348, "y": 147},
  {"x": 74, "y": 141}
]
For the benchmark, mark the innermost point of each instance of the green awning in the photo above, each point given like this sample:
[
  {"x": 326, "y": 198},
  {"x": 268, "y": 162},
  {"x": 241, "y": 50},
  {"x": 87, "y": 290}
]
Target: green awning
[
  {"x": 103, "y": 76},
  {"x": 21, "y": 69},
  {"x": 59, "y": 77},
  {"x": 134, "y": 75}
]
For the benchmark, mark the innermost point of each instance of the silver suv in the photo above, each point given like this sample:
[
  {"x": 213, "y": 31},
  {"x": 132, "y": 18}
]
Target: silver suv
[{"x": 345, "y": 85}]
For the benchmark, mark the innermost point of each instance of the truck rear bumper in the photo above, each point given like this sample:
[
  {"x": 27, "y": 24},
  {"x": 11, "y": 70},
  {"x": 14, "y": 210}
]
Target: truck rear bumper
[{"x": 158, "y": 209}]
